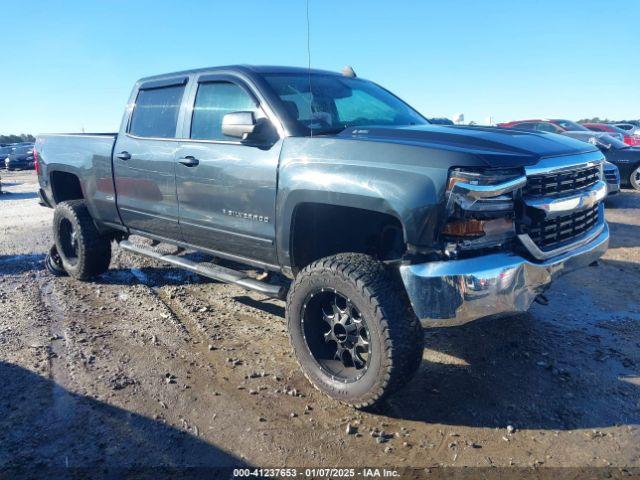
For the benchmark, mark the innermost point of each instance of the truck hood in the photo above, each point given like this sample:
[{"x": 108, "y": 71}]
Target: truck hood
[{"x": 492, "y": 146}]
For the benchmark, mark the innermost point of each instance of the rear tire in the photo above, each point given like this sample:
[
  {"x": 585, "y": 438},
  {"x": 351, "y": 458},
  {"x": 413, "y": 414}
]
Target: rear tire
[
  {"x": 352, "y": 330},
  {"x": 84, "y": 252},
  {"x": 634, "y": 179}
]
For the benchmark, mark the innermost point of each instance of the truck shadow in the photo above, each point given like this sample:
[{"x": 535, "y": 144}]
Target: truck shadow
[
  {"x": 16, "y": 264},
  {"x": 150, "y": 276},
  {"x": 17, "y": 195},
  {"x": 50, "y": 431},
  {"x": 266, "y": 306}
]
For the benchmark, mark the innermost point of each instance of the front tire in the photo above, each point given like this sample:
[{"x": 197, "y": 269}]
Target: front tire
[
  {"x": 352, "y": 330},
  {"x": 84, "y": 252}
]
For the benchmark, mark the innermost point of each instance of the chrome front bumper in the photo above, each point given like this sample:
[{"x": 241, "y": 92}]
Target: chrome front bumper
[{"x": 458, "y": 291}]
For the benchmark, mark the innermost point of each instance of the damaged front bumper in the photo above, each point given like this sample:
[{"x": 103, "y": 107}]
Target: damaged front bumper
[{"x": 454, "y": 292}]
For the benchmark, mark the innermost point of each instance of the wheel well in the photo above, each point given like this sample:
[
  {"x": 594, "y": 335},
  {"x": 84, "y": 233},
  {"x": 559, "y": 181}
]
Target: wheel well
[
  {"x": 320, "y": 230},
  {"x": 65, "y": 186}
]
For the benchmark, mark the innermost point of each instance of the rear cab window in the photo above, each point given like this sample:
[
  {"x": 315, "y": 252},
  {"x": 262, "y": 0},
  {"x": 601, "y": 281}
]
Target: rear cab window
[{"x": 156, "y": 111}]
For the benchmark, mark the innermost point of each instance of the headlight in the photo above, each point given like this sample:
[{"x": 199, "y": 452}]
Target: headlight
[
  {"x": 485, "y": 183},
  {"x": 480, "y": 205}
]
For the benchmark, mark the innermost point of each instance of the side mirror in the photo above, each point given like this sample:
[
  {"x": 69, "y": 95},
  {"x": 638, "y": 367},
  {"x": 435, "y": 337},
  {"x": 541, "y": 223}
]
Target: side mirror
[{"x": 238, "y": 124}]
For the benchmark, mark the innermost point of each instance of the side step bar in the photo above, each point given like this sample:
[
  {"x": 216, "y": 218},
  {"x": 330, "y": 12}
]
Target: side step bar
[{"x": 215, "y": 272}]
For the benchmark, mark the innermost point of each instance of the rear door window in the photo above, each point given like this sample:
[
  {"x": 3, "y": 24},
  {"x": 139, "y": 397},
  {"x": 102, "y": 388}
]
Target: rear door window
[
  {"x": 156, "y": 112},
  {"x": 213, "y": 101}
]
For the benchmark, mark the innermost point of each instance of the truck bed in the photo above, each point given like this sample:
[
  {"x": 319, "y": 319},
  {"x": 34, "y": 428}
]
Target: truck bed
[{"x": 89, "y": 157}]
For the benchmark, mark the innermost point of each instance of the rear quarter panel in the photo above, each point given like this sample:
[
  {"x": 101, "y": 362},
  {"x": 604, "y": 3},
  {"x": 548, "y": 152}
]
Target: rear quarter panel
[{"x": 89, "y": 158}]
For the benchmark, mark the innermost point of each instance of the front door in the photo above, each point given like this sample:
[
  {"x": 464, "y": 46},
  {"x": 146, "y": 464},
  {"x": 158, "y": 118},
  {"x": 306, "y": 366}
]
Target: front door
[
  {"x": 226, "y": 188},
  {"x": 144, "y": 161}
]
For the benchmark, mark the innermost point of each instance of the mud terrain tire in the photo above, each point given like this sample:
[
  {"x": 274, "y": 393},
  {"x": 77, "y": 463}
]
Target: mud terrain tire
[
  {"x": 394, "y": 337},
  {"x": 84, "y": 252}
]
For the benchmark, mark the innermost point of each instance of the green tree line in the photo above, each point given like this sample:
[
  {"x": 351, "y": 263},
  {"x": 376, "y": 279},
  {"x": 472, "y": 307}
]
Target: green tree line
[
  {"x": 600, "y": 120},
  {"x": 23, "y": 137}
]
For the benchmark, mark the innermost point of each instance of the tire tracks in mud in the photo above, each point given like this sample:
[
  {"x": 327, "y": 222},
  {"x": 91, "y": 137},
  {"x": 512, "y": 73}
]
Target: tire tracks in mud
[
  {"x": 186, "y": 308},
  {"x": 143, "y": 279}
]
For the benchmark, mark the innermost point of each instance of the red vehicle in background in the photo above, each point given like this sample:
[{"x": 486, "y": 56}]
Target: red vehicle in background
[
  {"x": 627, "y": 137},
  {"x": 553, "y": 125}
]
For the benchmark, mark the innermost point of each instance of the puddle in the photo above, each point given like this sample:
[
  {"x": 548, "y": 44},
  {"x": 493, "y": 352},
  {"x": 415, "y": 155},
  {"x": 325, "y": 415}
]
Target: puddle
[{"x": 63, "y": 403}]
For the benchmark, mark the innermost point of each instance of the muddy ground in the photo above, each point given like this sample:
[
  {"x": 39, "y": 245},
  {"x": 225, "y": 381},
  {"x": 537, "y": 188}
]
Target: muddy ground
[{"x": 150, "y": 366}]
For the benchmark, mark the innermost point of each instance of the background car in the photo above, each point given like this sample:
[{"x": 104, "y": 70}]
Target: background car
[
  {"x": 20, "y": 158},
  {"x": 629, "y": 127},
  {"x": 626, "y": 158},
  {"x": 627, "y": 137},
  {"x": 5, "y": 151},
  {"x": 545, "y": 125}
]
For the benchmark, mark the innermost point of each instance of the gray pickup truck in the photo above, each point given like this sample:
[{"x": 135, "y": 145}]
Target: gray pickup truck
[{"x": 379, "y": 222}]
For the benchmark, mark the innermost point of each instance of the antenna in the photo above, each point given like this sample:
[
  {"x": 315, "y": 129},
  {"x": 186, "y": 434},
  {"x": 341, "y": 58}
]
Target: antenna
[
  {"x": 309, "y": 68},
  {"x": 348, "y": 71}
]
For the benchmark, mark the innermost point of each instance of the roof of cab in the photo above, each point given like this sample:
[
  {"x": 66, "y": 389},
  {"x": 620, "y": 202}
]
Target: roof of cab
[{"x": 246, "y": 69}]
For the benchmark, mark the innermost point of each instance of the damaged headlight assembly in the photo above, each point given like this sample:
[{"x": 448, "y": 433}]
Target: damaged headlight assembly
[{"x": 480, "y": 208}]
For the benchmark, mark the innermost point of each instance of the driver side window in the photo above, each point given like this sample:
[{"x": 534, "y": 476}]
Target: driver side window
[{"x": 213, "y": 101}]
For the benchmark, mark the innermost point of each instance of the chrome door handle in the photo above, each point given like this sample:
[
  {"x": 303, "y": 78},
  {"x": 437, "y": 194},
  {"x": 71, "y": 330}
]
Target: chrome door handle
[
  {"x": 123, "y": 155},
  {"x": 189, "y": 161}
]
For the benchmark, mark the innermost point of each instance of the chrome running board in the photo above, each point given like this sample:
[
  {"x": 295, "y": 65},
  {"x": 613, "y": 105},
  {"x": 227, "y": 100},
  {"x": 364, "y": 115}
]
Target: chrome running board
[{"x": 215, "y": 272}]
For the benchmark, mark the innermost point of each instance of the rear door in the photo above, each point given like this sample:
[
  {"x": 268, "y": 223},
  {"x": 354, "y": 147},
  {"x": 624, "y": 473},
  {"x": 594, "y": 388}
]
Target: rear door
[
  {"x": 226, "y": 188},
  {"x": 144, "y": 159}
]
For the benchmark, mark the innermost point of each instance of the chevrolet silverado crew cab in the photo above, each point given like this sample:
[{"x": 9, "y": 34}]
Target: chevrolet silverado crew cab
[{"x": 380, "y": 222}]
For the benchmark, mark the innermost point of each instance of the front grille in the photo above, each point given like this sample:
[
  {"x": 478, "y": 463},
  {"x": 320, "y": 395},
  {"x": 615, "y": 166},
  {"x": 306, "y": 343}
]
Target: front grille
[
  {"x": 561, "y": 182},
  {"x": 548, "y": 234}
]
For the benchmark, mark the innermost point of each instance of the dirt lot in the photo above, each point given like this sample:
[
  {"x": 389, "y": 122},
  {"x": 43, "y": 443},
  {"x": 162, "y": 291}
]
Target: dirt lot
[{"x": 152, "y": 366}]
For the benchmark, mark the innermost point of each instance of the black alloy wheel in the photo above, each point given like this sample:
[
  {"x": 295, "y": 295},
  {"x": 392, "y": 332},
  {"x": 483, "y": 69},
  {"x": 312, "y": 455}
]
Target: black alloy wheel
[{"x": 336, "y": 334}]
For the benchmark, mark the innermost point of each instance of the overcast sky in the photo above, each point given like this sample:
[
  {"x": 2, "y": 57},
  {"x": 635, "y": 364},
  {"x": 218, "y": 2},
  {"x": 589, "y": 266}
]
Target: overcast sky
[{"x": 70, "y": 65}]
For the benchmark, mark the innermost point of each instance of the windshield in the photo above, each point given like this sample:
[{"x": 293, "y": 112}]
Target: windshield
[
  {"x": 570, "y": 126},
  {"x": 24, "y": 149},
  {"x": 334, "y": 103}
]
